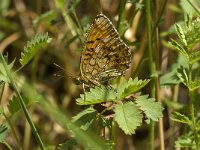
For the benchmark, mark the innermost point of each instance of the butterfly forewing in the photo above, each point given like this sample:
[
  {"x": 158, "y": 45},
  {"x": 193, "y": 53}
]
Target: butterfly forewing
[{"x": 104, "y": 54}]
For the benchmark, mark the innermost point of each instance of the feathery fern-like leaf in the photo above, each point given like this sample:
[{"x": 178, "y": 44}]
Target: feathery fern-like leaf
[
  {"x": 178, "y": 117},
  {"x": 176, "y": 46},
  {"x": 182, "y": 74},
  {"x": 192, "y": 33},
  {"x": 32, "y": 47},
  {"x": 181, "y": 34},
  {"x": 194, "y": 57}
]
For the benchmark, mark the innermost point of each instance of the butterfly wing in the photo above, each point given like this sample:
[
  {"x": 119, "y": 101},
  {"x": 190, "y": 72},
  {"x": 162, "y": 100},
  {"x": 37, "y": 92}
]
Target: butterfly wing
[{"x": 104, "y": 54}]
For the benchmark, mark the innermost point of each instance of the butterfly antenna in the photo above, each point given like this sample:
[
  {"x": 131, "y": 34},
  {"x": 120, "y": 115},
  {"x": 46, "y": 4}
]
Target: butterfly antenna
[
  {"x": 67, "y": 73},
  {"x": 59, "y": 67}
]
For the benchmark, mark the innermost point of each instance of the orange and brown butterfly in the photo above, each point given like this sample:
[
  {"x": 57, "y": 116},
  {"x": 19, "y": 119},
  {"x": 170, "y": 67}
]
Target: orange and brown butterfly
[{"x": 104, "y": 55}]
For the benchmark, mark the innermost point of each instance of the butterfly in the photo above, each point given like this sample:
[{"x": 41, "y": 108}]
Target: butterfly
[{"x": 104, "y": 55}]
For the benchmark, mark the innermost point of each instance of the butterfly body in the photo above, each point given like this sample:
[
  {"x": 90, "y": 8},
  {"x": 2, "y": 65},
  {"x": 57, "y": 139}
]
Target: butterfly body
[{"x": 105, "y": 55}]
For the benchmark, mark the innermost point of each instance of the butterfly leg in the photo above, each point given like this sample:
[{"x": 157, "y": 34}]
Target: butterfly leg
[{"x": 84, "y": 91}]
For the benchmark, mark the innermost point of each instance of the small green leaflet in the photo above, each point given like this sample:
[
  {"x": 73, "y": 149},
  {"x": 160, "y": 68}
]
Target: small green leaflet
[
  {"x": 3, "y": 132},
  {"x": 181, "y": 34},
  {"x": 182, "y": 74},
  {"x": 46, "y": 17},
  {"x": 192, "y": 33},
  {"x": 194, "y": 85},
  {"x": 173, "y": 104},
  {"x": 151, "y": 108},
  {"x": 3, "y": 74},
  {"x": 128, "y": 116},
  {"x": 178, "y": 117},
  {"x": 85, "y": 118},
  {"x": 28, "y": 97},
  {"x": 14, "y": 104},
  {"x": 131, "y": 86},
  {"x": 176, "y": 46}
]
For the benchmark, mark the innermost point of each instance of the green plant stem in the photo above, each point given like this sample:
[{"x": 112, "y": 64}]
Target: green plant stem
[
  {"x": 81, "y": 32},
  {"x": 34, "y": 64},
  {"x": 7, "y": 145},
  {"x": 71, "y": 25},
  {"x": 157, "y": 64},
  {"x": 121, "y": 16},
  {"x": 148, "y": 21},
  {"x": 107, "y": 108},
  {"x": 1, "y": 93},
  {"x": 13, "y": 131},
  {"x": 160, "y": 15},
  {"x": 151, "y": 64},
  {"x": 27, "y": 136},
  {"x": 191, "y": 95},
  {"x": 34, "y": 130},
  {"x": 195, "y": 8},
  {"x": 192, "y": 110}
]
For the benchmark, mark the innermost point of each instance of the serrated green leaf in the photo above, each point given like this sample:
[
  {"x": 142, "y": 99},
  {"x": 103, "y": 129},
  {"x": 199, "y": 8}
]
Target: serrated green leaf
[
  {"x": 85, "y": 118},
  {"x": 97, "y": 95},
  {"x": 32, "y": 47},
  {"x": 176, "y": 46},
  {"x": 130, "y": 87},
  {"x": 178, "y": 117},
  {"x": 128, "y": 117},
  {"x": 181, "y": 34},
  {"x": 194, "y": 57},
  {"x": 151, "y": 108},
  {"x": 3, "y": 132}
]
